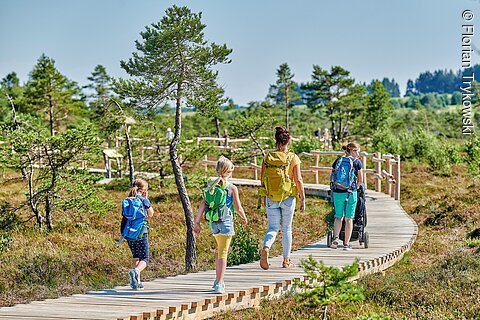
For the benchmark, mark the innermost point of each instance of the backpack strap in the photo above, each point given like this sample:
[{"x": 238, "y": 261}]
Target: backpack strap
[{"x": 352, "y": 168}]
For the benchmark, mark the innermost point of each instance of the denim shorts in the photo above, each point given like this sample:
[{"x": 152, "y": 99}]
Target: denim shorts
[{"x": 224, "y": 227}]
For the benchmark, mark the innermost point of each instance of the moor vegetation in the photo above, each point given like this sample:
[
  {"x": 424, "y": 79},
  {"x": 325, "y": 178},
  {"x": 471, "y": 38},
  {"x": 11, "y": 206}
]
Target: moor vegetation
[{"x": 59, "y": 222}]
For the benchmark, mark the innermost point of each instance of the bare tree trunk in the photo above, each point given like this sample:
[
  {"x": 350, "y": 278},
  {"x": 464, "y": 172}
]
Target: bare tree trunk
[
  {"x": 50, "y": 114},
  {"x": 49, "y": 209},
  {"x": 131, "y": 169},
  {"x": 15, "y": 126},
  {"x": 339, "y": 131},
  {"x": 333, "y": 130},
  {"x": 217, "y": 126},
  {"x": 259, "y": 146},
  {"x": 286, "y": 108},
  {"x": 31, "y": 200},
  {"x": 190, "y": 253},
  {"x": 15, "y": 122},
  {"x": 51, "y": 191}
]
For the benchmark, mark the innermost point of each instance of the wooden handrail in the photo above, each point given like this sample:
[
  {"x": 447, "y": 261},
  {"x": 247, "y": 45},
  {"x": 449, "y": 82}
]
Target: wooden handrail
[{"x": 391, "y": 172}]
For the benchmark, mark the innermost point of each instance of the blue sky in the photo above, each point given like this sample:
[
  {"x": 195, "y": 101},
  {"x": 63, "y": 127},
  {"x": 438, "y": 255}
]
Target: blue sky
[{"x": 370, "y": 38}]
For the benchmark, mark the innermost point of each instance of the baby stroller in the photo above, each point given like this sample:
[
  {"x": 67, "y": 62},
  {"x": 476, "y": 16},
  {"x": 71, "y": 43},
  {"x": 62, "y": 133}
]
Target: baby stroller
[{"x": 359, "y": 222}]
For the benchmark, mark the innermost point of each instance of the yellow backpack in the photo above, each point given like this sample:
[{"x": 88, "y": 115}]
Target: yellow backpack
[{"x": 276, "y": 182}]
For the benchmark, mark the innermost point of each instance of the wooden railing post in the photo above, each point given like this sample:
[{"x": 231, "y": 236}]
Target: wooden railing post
[
  {"x": 397, "y": 178},
  {"x": 388, "y": 164},
  {"x": 378, "y": 172},
  {"x": 226, "y": 142},
  {"x": 363, "y": 157},
  {"x": 206, "y": 163},
  {"x": 316, "y": 158},
  {"x": 255, "y": 170}
]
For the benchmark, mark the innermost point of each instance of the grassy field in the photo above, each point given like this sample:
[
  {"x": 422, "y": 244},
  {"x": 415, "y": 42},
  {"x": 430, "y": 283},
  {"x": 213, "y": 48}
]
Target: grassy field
[
  {"x": 438, "y": 279},
  {"x": 80, "y": 254}
]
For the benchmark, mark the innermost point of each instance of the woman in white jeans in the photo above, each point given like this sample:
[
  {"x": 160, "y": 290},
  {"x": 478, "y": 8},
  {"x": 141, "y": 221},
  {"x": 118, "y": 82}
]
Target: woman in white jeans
[{"x": 280, "y": 213}]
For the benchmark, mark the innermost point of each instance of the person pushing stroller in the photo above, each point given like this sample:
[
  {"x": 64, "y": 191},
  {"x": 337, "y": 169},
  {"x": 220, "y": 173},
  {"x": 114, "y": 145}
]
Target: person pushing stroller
[{"x": 346, "y": 176}]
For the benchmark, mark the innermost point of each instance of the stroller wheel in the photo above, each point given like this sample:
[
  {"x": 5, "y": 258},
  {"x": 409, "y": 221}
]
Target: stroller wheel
[
  {"x": 365, "y": 239},
  {"x": 329, "y": 239}
]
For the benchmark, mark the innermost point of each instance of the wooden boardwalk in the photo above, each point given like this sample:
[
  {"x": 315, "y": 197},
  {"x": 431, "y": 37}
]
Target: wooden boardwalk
[{"x": 391, "y": 230}]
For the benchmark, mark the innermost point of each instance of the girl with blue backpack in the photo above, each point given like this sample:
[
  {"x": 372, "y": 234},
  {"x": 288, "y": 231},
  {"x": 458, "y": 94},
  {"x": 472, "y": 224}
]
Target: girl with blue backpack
[
  {"x": 346, "y": 177},
  {"x": 221, "y": 199},
  {"x": 137, "y": 205}
]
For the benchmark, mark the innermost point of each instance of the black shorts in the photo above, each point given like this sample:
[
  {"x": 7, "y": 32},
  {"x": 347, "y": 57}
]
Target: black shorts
[{"x": 139, "y": 248}]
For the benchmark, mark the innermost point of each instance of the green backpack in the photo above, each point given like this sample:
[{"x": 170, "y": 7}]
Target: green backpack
[{"x": 216, "y": 201}]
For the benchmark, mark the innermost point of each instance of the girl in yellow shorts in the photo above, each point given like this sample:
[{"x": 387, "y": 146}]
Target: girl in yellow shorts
[{"x": 223, "y": 230}]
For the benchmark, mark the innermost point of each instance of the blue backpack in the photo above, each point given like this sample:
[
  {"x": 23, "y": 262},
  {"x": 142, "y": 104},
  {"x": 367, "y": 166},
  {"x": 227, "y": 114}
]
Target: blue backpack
[
  {"x": 135, "y": 215},
  {"x": 343, "y": 175}
]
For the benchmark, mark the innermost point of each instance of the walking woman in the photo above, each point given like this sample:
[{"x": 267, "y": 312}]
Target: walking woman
[
  {"x": 281, "y": 183},
  {"x": 346, "y": 177}
]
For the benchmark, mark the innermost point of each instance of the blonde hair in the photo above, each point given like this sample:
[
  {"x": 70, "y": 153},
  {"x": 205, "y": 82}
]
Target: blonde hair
[
  {"x": 138, "y": 184},
  {"x": 350, "y": 146},
  {"x": 224, "y": 170}
]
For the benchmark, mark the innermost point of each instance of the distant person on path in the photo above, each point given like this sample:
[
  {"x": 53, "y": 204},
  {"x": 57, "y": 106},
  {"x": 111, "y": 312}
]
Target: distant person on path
[
  {"x": 346, "y": 177},
  {"x": 219, "y": 211},
  {"x": 169, "y": 134},
  {"x": 281, "y": 183},
  {"x": 139, "y": 248},
  {"x": 327, "y": 139}
]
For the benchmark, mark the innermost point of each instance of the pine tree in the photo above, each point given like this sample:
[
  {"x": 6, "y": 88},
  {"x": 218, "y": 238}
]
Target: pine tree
[
  {"x": 49, "y": 90},
  {"x": 284, "y": 91},
  {"x": 336, "y": 92},
  {"x": 174, "y": 63},
  {"x": 378, "y": 109}
]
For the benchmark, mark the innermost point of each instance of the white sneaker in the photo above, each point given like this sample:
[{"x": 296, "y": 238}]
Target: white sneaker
[{"x": 335, "y": 243}]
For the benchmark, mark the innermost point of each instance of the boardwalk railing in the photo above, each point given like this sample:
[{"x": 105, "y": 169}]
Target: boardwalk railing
[{"x": 385, "y": 168}]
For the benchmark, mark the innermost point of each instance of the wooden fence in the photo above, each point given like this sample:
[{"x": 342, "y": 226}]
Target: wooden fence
[{"x": 386, "y": 168}]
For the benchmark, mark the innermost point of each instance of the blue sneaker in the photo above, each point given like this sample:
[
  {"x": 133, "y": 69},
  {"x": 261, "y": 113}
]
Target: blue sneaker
[
  {"x": 140, "y": 286},
  {"x": 215, "y": 283},
  {"x": 219, "y": 288},
  {"x": 134, "y": 276}
]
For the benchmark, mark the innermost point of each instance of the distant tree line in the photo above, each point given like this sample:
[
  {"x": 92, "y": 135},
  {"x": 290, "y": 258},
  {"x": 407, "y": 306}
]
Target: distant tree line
[{"x": 438, "y": 81}]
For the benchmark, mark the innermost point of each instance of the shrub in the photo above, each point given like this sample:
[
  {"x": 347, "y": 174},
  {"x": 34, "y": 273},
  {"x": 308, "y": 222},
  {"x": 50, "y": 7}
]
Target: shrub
[
  {"x": 385, "y": 142},
  {"x": 8, "y": 220},
  {"x": 331, "y": 284},
  {"x": 244, "y": 247},
  {"x": 306, "y": 144},
  {"x": 472, "y": 148},
  {"x": 438, "y": 159}
]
